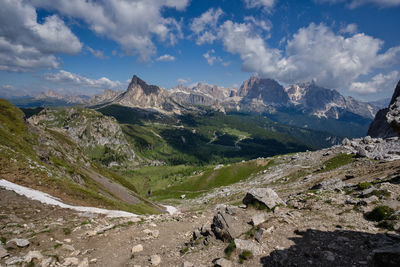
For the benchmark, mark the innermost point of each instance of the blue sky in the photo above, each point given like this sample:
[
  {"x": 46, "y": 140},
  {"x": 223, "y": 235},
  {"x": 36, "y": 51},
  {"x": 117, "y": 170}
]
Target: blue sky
[{"x": 87, "y": 46}]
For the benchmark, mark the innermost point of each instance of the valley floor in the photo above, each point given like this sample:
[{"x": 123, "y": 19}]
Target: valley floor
[{"x": 323, "y": 226}]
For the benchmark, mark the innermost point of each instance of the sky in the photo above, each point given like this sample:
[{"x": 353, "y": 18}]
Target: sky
[{"x": 87, "y": 46}]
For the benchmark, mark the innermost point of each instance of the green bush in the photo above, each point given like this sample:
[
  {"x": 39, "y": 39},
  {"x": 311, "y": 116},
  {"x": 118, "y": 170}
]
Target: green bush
[
  {"x": 380, "y": 213},
  {"x": 230, "y": 249},
  {"x": 245, "y": 255},
  {"x": 364, "y": 185}
]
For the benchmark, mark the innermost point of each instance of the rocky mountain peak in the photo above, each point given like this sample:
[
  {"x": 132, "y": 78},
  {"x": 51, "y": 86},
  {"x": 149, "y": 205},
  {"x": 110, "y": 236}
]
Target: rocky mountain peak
[
  {"x": 396, "y": 94},
  {"x": 138, "y": 84},
  {"x": 267, "y": 90}
]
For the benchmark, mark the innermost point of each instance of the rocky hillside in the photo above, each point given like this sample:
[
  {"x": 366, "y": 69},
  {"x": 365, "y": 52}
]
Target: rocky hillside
[
  {"x": 380, "y": 126},
  {"x": 323, "y": 208}
]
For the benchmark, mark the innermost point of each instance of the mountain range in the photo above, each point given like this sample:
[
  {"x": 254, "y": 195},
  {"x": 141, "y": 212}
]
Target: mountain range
[{"x": 305, "y": 105}]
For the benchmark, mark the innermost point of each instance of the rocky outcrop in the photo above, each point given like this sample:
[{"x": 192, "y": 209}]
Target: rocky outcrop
[{"x": 381, "y": 127}]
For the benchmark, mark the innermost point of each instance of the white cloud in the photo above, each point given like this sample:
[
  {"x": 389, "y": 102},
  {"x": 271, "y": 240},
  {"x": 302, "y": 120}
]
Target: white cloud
[
  {"x": 183, "y": 80},
  {"x": 377, "y": 84},
  {"x": 205, "y": 26},
  {"x": 267, "y": 5},
  {"x": 357, "y": 3},
  {"x": 349, "y": 28},
  {"x": 96, "y": 53},
  {"x": 211, "y": 58},
  {"x": 26, "y": 44},
  {"x": 314, "y": 53},
  {"x": 132, "y": 24},
  {"x": 166, "y": 57},
  {"x": 67, "y": 78}
]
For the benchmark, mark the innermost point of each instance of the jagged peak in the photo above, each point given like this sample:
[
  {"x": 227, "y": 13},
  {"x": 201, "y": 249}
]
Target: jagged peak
[{"x": 136, "y": 83}]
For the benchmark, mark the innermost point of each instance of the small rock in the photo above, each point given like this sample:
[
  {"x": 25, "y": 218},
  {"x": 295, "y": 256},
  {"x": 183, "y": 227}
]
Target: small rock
[
  {"x": 93, "y": 260},
  {"x": 14, "y": 260},
  {"x": 187, "y": 264},
  {"x": 183, "y": 196},
  {"x": 3, "y": 252},
  {"x": 47, "y": 262},
  {"x": 259, "y": 235},
  {"x": 329, "y": 256},
  {"x": 32, "y": 255},
  {"x": 84, "y": 263},
  {"x": 221, "y": 262},
  {"x": 70, "y": 261},
  {"x": 155, "y": 260},
  {"x": 361, "y": 152},
  {"x": 152, "y": 233},
  {"x": 258, "y": 219},
  {"x": 68, "y": 247},
  {"x": 196, "y": 234},
  {"x": 137, "y": 248},
  {"x": 21, "y": 243},
  {"x": 350, "y": 201}
]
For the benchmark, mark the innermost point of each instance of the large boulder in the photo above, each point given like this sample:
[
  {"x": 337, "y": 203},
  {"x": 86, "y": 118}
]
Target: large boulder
[
  {"x": 265, "y": 196},
  {"x": 226, "y": 227}
]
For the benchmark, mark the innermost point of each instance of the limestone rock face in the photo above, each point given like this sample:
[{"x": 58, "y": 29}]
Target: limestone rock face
[{"x": 387, "y": 121}]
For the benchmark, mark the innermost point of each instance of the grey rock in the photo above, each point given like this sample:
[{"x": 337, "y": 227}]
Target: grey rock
[
  {"x": 70, "y": 261},
  {"x": 33, "y": 255},
  {"x": 266, "y": 196},
  {"x": 137, "y": 248},
  {"x": 14, "y": 260},
  {"x": 259, "y": 235},
  {"x": 21, "y": 243},
  {"x": 155, "y": 260},
  {"x": 248, "y": 245},
  {"x": 258, "y": 219},
  {"x": 361, "y": 152},
  {"x": 226, "y": 227},
  {"x": 330, "y": 256},
  {"x": 346, "y": 142},
  {"x": 187, "y": 264},
  {"x": 221, "y": 262},
  {"x": 331, "y": 184},
  {"x": 196, "y": 234}
]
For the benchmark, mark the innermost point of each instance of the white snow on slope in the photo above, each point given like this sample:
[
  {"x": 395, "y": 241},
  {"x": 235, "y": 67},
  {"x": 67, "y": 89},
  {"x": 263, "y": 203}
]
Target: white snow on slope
[
  {"x": 50, "y": 200},
  {"x": 171, "y": 210}
]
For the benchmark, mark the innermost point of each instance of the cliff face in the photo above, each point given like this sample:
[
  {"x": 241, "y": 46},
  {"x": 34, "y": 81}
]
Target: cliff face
[{"x": 388, "y": 119}]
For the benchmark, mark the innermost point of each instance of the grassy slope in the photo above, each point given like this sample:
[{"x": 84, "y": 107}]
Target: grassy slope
[{"x": 17, "y": 158}]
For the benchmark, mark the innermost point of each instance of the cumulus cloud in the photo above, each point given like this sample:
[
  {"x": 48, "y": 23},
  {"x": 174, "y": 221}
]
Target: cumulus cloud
[
  {"x": 377, "y": 84},
  {"x": 205, "y": 26},
  {"x": 357, "y": 3},
  {"x": 96, "y": 53},
  {"x": 26, "y": 44},
  {"x": 267, "y": 5},
  {"x": 132, "y": 24},
  {"x": 166, "y": 57},
  {"x": 313, "y": 53},
  {"x": 71, "y": 79}
]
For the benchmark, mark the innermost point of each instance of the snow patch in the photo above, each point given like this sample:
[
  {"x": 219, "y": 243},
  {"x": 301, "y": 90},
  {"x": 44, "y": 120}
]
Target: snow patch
[
  {"x": 171, "y": 210},
  {"x": 50, "y": 200}
]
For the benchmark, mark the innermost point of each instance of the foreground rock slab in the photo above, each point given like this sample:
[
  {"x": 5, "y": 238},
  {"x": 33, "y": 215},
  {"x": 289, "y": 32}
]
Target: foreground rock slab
[{"x": 266, "y": 196}]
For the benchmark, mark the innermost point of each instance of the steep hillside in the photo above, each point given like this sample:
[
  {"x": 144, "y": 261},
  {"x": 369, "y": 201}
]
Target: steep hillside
[{"x": 48, "y": 156}]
